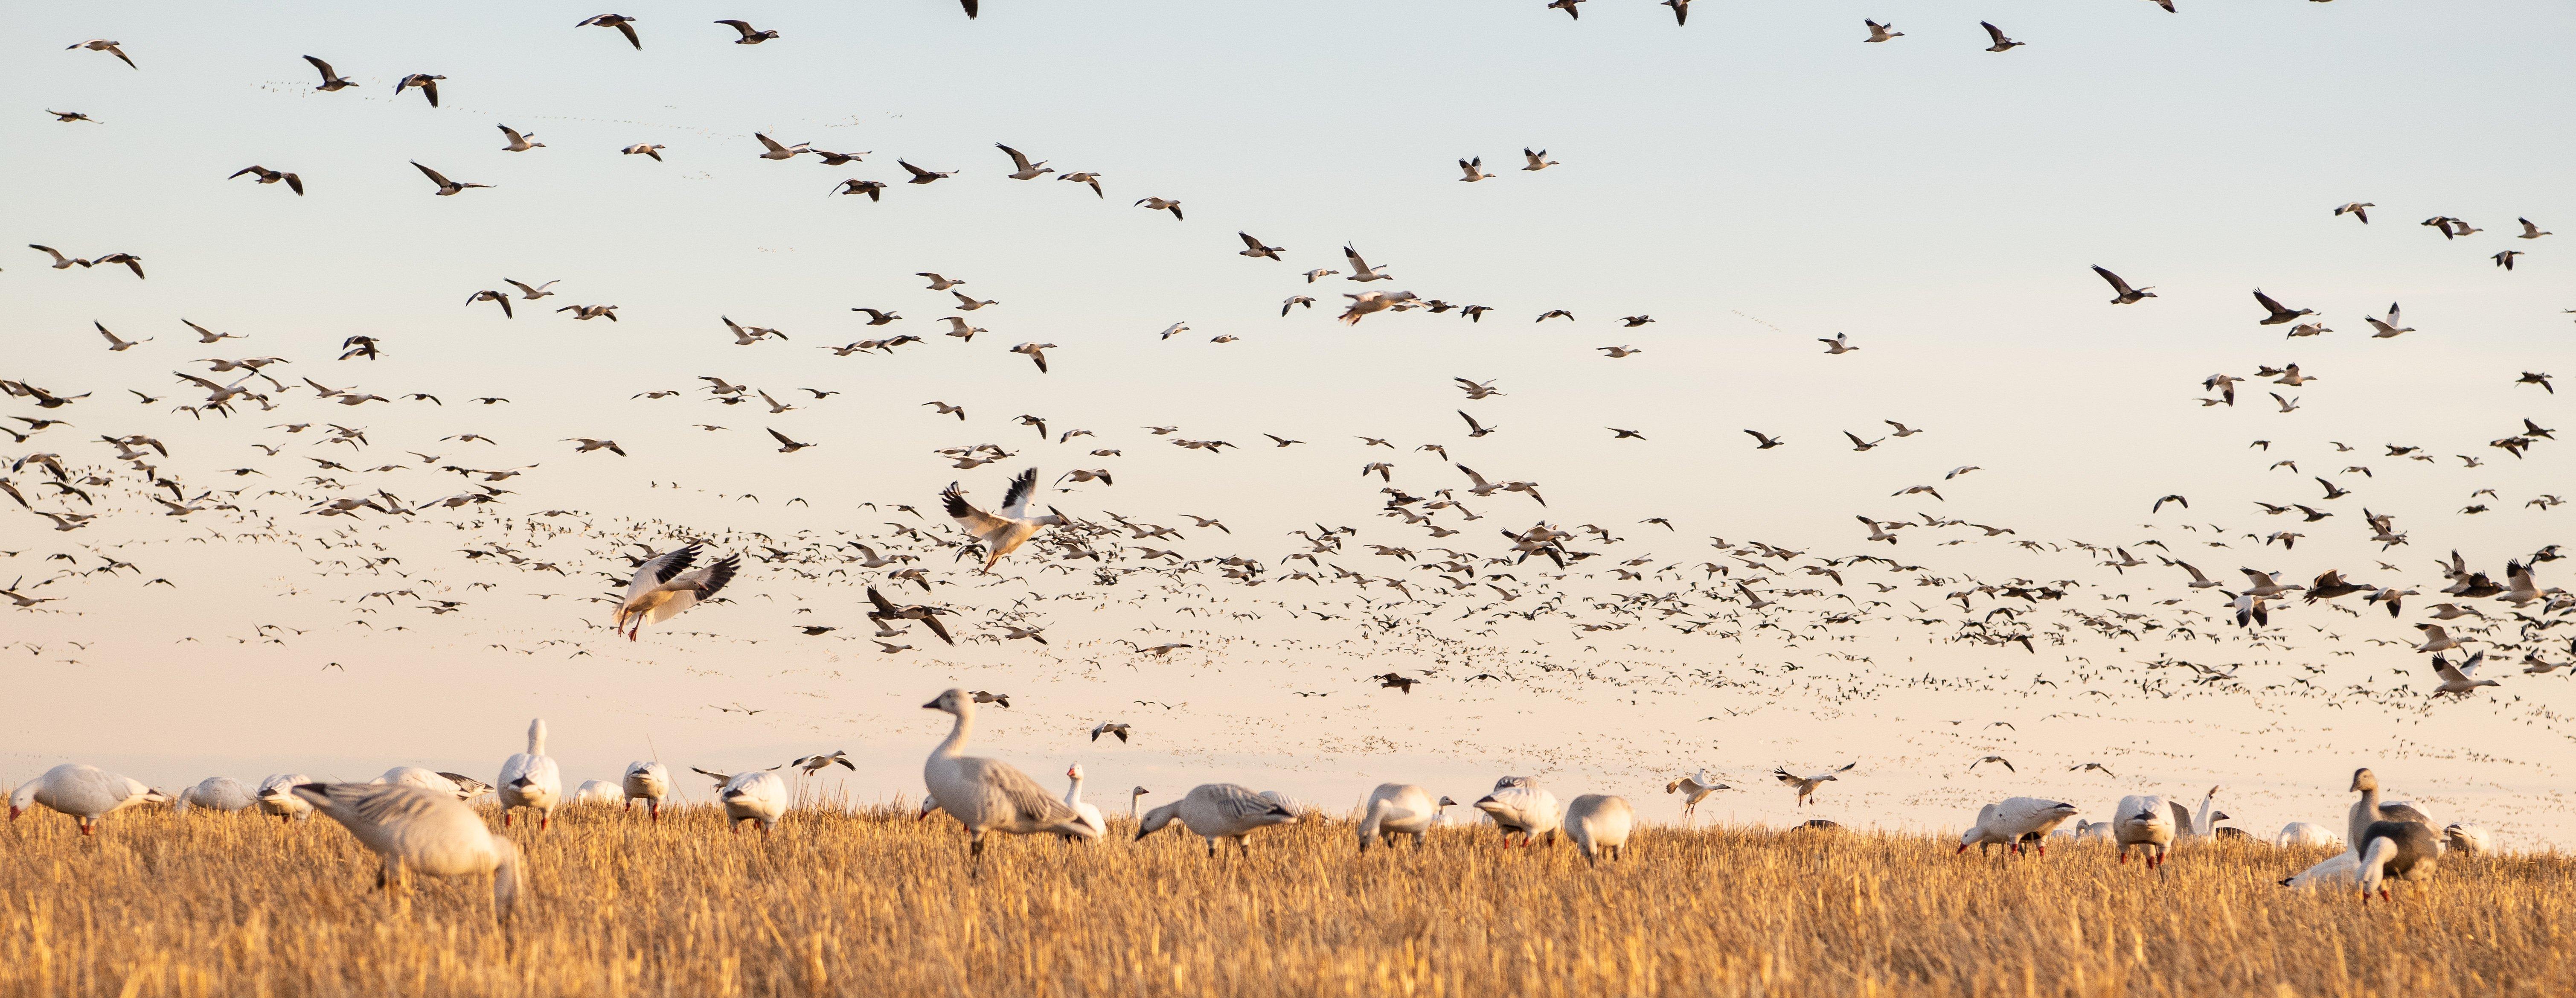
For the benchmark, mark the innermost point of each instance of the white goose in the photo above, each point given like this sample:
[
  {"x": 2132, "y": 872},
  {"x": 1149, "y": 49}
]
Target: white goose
[
  {"x": 596, "y": 792},
  {"x": 2010, "y": 822},
  {"x": 457, "y": 785},
  {"x": 530, "y": 779},
  {"x": 277, "y": 797},
  {"x": 1697, "y": 786},
  {"x": 988, "y": 795},
  {"x": 648, "y": 782},
  {"x": 423, "y": 830},
  {"x": 214, "y": 793},
  {"x": 660, "y": 590},
  {"x": 87, "y": 793},
  {"x": 2468, "y": 840},
  {"x": 1004, "y": 532},
  {"x": 1599, "y": 825},
  {"x": 1519, "y": 804},
  {"x": 1219, "y": 811},
  {"x": 2305, "y": 833},
  {"x": 758, "y": 795},
  {"x": 2197, "y": 824},
  {"x": 2146, "y": 822},
  {"x": 1084, "y": 811},
  {"x": 2333, "y": 871},
  {"x": 1396, "y": 809}
]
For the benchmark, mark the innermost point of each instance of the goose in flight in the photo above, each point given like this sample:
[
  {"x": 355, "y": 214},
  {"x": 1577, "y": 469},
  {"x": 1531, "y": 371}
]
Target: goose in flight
[
  {"x": 446, "y": 187},
  {"x": 625, "y": 25},
  {"x": 1158, "y": 204},
  {"x": 1118, "y": 728},
  {"x": 1695, "y": 788},
  {"x": 331, "y": 81},
  {"x": 2146, "y": 822},
  {"x": 921, "y": 176},
  {"x": 427, "y": 82},
  {"x": 2002, "y": 44},
  {"x": 1092, "y": 179},
  {"x": 518, "y": 142},
  {"x": 104, "y": 45},
  {"x": 115, "y": 345},
  {"x": 750, "y": 35},
  {"x": 1879, "y": 33},
  {"x": 1026, "y": 170},
  {"x": 424, "y": 831},
  {"x": 1367, "y": 303},
  {"x": 1002, "y": 533},
  {"x": 1807, "y": 785},
  {"x": 664, "y": 588},
  {"x": 588, "y": 445},
  {"x": 1219, "y": 811},
  {"x": 648, "y": 782},
  {"x": 1254, "y": 248},
  {"x": 988, "y": 795},
  {"x": 645, "y": 149},
  {"x": 531, "y": 780},
  {"x": 1839, "y": 345},
  {"x": 772, "y": 150},
  {"x": 2436, "y": 639},
  {"x": 532, "y": 293},
  {"x": 1761, "y": 442},
  {"x": 2530, "y": 231},
  {"x": 967, "y": 304},
  {"x": 1518, "y": 805},
  {"x": 2389, "y": 327},
  {"x": 875, "y": 190},
  {"x": 457, "y": 785},
  {"x": 2357, "y": 209},
  {"x": 2127, "y": 295},
  {"x": 1537, "y": 159},
  {"x": 1474, "y": 170},
  {"x": 2462, "y": 679},
  {"x": 886, "y": 610},
  {"x": 787, "y": 446},
  {"x": 1360, "y": 270},
  {"x": 2279, "y": 314},
  {"x": 268, "y": 176},
  {"x": 67, "y": 117},
  {"x": 1088, "y": 814},
  {"x": 62, "y": 262},
  {"x": 86, "y": 793}
]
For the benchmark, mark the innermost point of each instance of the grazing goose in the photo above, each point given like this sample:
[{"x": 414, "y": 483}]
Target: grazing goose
[
  {"x": 2092, "y": 831},
  {"x": 988, "y": 795},
  {"x": 597, "y": 792},
  {"x": 2010, "y": 822},
  {"x": 2304, "y": 833},
  {"x": 758, "y": 795},
  {"x": 1002, "y": 533},
  {"x": 2333, "y": 871},
  {"x": 215, "y": 793},
  {"x": 1085, "y": 812},
  {"x": 277, "y": 797},
  {"x": 2371, "y": 809},
  {"x": 530, "y": 779},
  {"x": 456, "y": 785},
  {"x": 1519, "y": 804},
  {"x": 660, "y": 590},
  {"x": 1599, "y": 825},
  {"x": 420, "y": 830},
  {"x": 1219, "y": 811},
  {"x": 2404, "y": 850},
  {"x": 87, "y": 793},
  {"x": 1396, "y": 809},
  {"x": 2146, "y": 822},
  {"x": 1299, "y": 809},
  {"x": 1697, "y": 787},
  {"x": 2468, "y": 840},
  {"x": 648, "y": 782}
]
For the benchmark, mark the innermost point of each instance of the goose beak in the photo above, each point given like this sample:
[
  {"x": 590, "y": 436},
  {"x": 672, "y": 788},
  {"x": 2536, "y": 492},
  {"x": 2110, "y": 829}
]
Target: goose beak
[
  {"x": 933, "y": 705},
  {"x": 13, "y": 812}
]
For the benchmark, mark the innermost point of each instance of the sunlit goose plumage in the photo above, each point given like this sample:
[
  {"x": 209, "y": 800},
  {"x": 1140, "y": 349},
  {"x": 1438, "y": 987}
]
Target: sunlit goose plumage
[
  {"x": 988, "y": 795},
  {"x": 1396, "y": 809},
  {"x": 2468, "y": 840},
  {"x": 85, "y": 792},
  {"x": 1599, "y": 825},
  {"x": 1219, "y": 811},
  {"x": 597, "y": 792},
  {"x": 2305, "y": 833},
  {"x": 420, "y": 830},
  {"x": 455, "y": 785},
  {"x": 215, "y": 793},
  {"x": 1003, "y": 532},
  {"x": 1084, "y": 811},
  {"x": 664, "y": 588},
  {"x": 2402, "y": 850},
  {"x": 1519, "y": 804},
  {"x": 1697, "y": 786},
  {"x": 2338, "y": 870},
  {"x": 758, "y": 795},
  {"x": 530, "y": 779},
  {"x": 277, "y": 797},
  {"x": 648, "y": 782},
  {"x": 2006, "y": 823},
  {"x": 2146, "y": 822},
  {"x": 2371, "y": 809}
]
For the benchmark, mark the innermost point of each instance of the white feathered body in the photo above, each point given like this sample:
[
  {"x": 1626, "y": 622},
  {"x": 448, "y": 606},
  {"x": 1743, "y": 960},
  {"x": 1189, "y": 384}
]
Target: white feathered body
[
  {"x": 85, "y": 792},
  {"x": 598, "y": 792},
  {"x": 2306, "y": 833},
  {"x": 1599, "y": 825},
  {"x": 421, "y": 830},
  {"x": 1396, "y": 809},
  {"x": 2006, "y": 822},
  {"x": 531, "y": 779},
  {"x": 277, "y": 797},
  {"x": 215, "y": 793},
  {"x": 2144, "y": 821},
  {"x": 1519, "y": 804},
  {"x": 758, "y": 795},
  {"x": 1215, "y": 811}
]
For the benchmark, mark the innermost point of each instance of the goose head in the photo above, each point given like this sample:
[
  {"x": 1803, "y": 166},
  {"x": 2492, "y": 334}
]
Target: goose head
[
  {"x": 2364, "y": 780},
  {"x": 21, "y": 799},
  {"x": 953, "y": 701},
  {"x": 1074, "y": 771}
]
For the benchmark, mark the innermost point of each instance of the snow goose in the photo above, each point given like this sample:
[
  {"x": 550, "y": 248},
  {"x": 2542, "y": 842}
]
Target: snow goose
[
  {"x": 664, "y": 587},
  {"x": 2305, "y": 833},
  {"x": 277, "y": 797},
  {"x": 1519, "y": 804},
  {"x": 2144, "y": 821},
  {"x": 2009, "y": 822},
  {"x": 2470, "y": 840},
  {"x": 1807, "y": 784},
  {"x": 215, "y": 793},
  {"x": 2197, "y": 824},
  {"x": 87, "y": 793},
  {"x": 1002, "y": 533},
  {"x": 458, "y": 785},
  {"x": 1396, "y": 809},
  {"x": 1599, "y": 825},
  {"x": 1084, "y": 811},
  {"x": 2404, "y": 850},
  {"x": 1219, "y": 811},
  {"x": 2333, "y": 871},
  {"x": 530, "y": 779},
  {"x": 597, "y": 792},
  {"x": 988, "y": 795},
  {"x": 1303, "y": 810},
  {"x": 1133, "y": 797},
  {"x": 648, "y": 782},
  {"x": 1697, "y": 786},
  {"x": 417, "y": 829},
  {"x": 2371, "y": 809},
  {"x": 758, "y": 795}
]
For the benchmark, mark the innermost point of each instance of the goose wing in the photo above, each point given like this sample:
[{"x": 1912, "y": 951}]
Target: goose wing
[
  {"x": 327, "y": 74},
  {"x": 2117, "y": 285},
  {"x": 1014, "y": 790},
  {"x": 660, "y": 569},
  {"x": 1238, "y": 803},
  {"x": 434, "y": 176},
  {"x": 1015, "y": 502},
  {"x": 1995, "y": 32},
  {"x": 2267, "y": 302},
  {"x": 1017, "y": 158}
]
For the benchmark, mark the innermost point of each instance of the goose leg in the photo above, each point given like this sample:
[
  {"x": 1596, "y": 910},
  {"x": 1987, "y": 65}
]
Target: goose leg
[
  {"x": 656, "y": 808},
  {"x": 1244, "y": 842},
  {"x": 1211, "y": 844},
  {"x": 975, "y": 849}
]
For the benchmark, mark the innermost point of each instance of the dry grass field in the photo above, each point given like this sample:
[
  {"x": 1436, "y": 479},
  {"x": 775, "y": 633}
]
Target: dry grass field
[{"x": 878, "y": 904}]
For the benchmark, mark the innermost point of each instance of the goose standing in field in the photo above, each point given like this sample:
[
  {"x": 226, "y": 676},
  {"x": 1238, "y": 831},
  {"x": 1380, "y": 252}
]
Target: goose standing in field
[
  {"x": 215, "y": 793},
  {"x": 2304, "y": 833},
  {"x": 648, "y": 782},
  {"x": 2371, "y": 809},
  {"x": 2192, "y": 825},
  {"x": 597, "y": 792},
  {"x": 660, "y": 590},
  {"x": 758, "y": 795},
  {"x": 2467, "y": 840},
  {"x": 1599, "y": 825},
  {"x": 1299, "y": 809},
  {"x": 1696, "y": 787},
  {"x": 2146, "y": 822},
  {"x": 417, "y": 829},
  {"x": 1133, "y": 796},
  {"x": 2092, "y": 831},
  {"x": 1519, "y": 804},
  {"x": 2008, "y": 823},
  {"x": 1807, "y": 784},
  {"x": 530, "y": 779},
  {"x": 277, "y": 797},
  {"x": 1002, "y": 533},
  {"x": 1396, "y": 809},
  {"x": 1219, "y": 811},
  {"x": 456, "y": 785},
  {"x": 2404, "y": 850},
  {"x": 988, "y": 795},
  {"x": 87, "y": 793},
  {"x": 1086, "y": 813}
]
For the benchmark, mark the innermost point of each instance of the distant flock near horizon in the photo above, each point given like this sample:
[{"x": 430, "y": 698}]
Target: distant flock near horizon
[{"x": 417, "y": 819}]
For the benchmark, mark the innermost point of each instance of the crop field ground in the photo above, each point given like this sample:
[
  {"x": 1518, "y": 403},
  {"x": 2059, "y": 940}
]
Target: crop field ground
[{"x": 872, "y": 902}]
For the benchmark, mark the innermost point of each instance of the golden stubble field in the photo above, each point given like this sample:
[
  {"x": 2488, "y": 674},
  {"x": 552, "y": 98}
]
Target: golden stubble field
[{"x": 879, "y": 904}]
